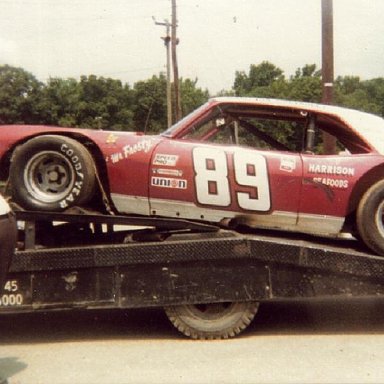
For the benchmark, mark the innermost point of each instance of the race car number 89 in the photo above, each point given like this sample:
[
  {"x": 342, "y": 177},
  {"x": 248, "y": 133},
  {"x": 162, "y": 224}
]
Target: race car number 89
[{"x": 212, "y": 182}]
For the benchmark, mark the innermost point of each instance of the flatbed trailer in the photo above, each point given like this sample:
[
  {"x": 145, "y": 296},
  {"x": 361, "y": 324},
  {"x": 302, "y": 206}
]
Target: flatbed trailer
[{"x": 209, "y": 280}]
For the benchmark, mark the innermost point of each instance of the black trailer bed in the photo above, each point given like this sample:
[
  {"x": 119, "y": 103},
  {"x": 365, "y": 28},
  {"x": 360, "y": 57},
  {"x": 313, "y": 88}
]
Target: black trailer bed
[{"x": 194, "y": 264}]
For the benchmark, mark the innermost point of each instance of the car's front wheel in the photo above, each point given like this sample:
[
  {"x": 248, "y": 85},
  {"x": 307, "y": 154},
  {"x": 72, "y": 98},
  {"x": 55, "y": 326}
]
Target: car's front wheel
[
  {"x": 51, "y": 173},
  {"x": 370, "y": 218}
]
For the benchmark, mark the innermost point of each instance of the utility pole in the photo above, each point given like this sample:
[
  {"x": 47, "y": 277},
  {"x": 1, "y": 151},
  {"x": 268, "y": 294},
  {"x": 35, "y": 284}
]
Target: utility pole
[
  {"x": 175, "y": 41},
  {"x": 327, "y": 66},
  {"x": 167, "y": 40}
]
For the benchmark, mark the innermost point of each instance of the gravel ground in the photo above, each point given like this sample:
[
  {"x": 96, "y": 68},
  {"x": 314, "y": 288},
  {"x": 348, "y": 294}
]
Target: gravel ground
[{"x": 307, "y": 342}]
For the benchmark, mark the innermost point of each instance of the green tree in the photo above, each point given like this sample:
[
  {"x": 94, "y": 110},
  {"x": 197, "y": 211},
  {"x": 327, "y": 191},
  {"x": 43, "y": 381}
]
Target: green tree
[
  {"x": 105, "y": 103},
  {"x": 191, "y": 96},
  {"x": 258, "y": 80},
  {"x": 20, "y": 94},
  {"x": 60, "y": 101},
  {"x": 150, "y": 102},
  {"x": 305, "y": 85},
  {"x": 366, "y": 96},
  {"x": 91, "y": 103}
]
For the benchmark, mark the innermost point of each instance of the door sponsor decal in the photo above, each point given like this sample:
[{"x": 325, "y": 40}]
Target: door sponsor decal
[
  {"x": 324, "y": 170},
  {"x": 168, "y": 182},
  {"x": 166, "y": 160},
  {"x": 167, "y": 172},
  {"x": 287, "y": 164},
  {"x": 334, "y": 183},
  {"x": 329, "y": 169}
]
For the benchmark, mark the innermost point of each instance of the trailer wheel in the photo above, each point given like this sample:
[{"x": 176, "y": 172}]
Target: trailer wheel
[
  {"x": 369, "y": 218},
  {"x": 212, "y": 321},
  {"x": 51, "y": 173}
]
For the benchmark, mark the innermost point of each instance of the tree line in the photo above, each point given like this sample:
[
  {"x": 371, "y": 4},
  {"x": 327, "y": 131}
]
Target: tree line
[{"x": 105, "y": 103}]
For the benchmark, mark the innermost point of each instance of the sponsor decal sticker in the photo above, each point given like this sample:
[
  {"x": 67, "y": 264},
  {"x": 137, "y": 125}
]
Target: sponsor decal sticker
[
  {"x": 111, "y": 139},
  {"x": 167, "y": 172},
  {"x": 328, "y": 175},
  {"x": 168, "y": 182},
  {"x": 335, "y": 183},
  {"x": 287, "y": 164},
  {"x": 141, "y": 146},
  {"x": 128, "y": 150},
  {"x": 329, "y": 169},
  {"x": 164, "y": 159}
]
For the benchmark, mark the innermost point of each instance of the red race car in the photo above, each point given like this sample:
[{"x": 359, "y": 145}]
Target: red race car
[{"x": 256, "y": 162}]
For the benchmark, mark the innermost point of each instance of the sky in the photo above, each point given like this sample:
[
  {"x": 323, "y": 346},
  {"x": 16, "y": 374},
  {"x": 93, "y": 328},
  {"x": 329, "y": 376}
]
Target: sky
[{"x": 119, "y": 38}]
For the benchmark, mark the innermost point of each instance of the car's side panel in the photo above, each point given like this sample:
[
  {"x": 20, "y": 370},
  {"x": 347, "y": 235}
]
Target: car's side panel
[
  {"x": 328, "y": 181},
  {"x": 214, "y": 182},
  {"x": 128, "y": 161}
]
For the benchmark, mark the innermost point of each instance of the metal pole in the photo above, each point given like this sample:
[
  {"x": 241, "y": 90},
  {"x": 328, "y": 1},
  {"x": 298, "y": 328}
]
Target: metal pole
[
  {"x": 167, "y": 40},
  {"x": 327, "y": 66},
  {"x": 175, "y": 41}
]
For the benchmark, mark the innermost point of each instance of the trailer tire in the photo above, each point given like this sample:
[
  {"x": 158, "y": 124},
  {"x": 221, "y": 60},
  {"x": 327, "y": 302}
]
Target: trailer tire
[
  {"x": 370, "y": 219},
  {"x": 51, "y": 173},
  {"x": 212, "y": 321}
]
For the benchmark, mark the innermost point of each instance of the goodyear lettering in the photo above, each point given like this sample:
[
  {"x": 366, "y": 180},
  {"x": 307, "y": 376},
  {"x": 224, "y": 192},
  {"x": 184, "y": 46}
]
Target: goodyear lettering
[
  {"x": 70, "y": 153},
  {"x": 71, "y": 197}
]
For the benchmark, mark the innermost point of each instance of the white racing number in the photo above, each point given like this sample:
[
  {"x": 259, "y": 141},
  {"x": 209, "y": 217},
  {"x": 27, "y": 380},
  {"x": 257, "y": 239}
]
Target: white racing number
[
  {"x": 211, "y": 176},
  {"x": 212, "y": 181}
]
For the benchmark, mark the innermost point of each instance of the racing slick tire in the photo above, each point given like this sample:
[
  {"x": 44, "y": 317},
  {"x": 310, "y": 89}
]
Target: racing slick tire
[
  {"x": 51, "y": 173},
  {"x": 370, "y": 219},
  {"x": 212, "y": 321}
]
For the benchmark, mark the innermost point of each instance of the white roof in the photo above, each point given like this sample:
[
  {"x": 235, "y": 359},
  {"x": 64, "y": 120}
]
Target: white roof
[{"x": 315, "y": 107}]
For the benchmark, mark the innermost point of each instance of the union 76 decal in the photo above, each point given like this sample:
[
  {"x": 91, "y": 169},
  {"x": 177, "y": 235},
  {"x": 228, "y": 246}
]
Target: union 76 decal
[{"x": 213, "y": 184}]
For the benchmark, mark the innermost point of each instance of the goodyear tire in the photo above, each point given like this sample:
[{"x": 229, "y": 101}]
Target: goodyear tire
[
  {"x": 51, "y": 173},
  {"x": 212, "y": 321},
  {"x": 370, "y": 218}
]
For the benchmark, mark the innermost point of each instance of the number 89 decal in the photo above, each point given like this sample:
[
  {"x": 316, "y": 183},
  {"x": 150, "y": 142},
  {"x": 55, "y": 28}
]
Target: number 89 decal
[{"x": 212, "y": 181}]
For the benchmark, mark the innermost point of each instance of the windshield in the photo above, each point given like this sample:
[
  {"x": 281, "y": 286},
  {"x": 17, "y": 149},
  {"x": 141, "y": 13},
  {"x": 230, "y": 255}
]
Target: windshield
[{"x": 172, "y": 130}]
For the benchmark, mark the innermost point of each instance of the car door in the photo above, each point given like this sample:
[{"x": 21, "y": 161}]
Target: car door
[{"x": 216, "y": 182}]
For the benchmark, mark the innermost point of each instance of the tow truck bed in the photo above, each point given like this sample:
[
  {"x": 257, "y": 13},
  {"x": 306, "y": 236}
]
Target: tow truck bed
[{"x": 193, "y": 264}]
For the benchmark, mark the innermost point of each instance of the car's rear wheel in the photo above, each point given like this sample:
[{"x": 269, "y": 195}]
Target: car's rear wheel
[
  {"x": 51, "y": 173},
  {"x": 370, "y": 219},
  {"x": 212, "y": 321}
]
